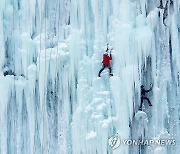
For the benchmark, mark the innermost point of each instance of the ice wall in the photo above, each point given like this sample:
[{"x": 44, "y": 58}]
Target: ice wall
[{"x": 52, "y": 100}]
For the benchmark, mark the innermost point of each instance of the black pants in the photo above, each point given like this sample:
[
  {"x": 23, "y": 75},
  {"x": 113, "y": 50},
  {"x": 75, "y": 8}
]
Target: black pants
[
  {"x": 164, "y": 17},
  {"x": 142, "y": 98},
  {"x": 103, "y": 67}
]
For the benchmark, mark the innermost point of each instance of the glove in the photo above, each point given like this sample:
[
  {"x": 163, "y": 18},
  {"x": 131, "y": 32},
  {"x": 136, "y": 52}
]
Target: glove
[{"x": 151, "y": 85}]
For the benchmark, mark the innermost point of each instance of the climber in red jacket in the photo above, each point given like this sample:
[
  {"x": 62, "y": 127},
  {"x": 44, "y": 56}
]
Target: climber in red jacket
[{"x": 106, "y": 62}]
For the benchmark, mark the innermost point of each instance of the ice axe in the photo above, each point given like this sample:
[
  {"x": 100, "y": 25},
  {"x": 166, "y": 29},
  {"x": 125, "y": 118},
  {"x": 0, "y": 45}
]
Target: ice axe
[
  {"x": 151, "y": 85},
  {"x": 107, "y": 46},
  {"x": 111, "y": 50}
]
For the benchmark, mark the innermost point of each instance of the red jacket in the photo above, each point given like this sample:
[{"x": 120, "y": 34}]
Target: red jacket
[{"x": 106, "y": 59}]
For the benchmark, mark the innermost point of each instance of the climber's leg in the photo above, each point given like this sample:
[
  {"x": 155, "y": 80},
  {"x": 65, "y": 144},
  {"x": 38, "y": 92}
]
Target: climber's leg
[
  {"x": 110, "y": 70},
  {"x": 140, "y": 107},
  {"x": 148, "y": 101},
  {"x": 103, "y": 67}
]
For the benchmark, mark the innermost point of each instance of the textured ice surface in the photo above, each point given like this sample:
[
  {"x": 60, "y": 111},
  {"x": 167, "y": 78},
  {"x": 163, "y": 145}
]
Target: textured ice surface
[{"x": 51, "y": 98}]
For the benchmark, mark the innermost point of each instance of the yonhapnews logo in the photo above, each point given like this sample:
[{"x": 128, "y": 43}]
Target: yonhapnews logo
[{"x": 114, "y": 141}]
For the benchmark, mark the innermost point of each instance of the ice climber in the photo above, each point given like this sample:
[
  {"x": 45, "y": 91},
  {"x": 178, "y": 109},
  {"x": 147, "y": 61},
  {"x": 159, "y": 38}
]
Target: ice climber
[
  {"x": 143, "y": 96},
  {"x": 161, "y": 5},
  {"x": 165, "y": 14},
  {"x": 106, "y": 62}
]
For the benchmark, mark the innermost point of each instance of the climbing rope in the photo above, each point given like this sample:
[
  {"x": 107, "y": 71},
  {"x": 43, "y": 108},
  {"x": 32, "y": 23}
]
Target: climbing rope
[
  {"x": 151, "y": 37},
  {"x": 134, "y": 62},
  {"x": 44, "y": 85},
  {"x": 57, "y": 39},
  {"x": 44, "y": 80},
  {"x": 133, "y": 88},
  {"x": 39, "y": 60},
  {"x": 44, "y": 98}
]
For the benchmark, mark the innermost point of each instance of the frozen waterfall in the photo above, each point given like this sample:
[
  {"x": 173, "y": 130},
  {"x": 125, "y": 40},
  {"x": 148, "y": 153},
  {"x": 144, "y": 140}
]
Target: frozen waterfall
[{"x": 51, "y": 98}]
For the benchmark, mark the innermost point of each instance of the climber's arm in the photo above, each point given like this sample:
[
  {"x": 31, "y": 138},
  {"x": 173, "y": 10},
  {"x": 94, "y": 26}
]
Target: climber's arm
[
  {"x": 149, "y": 89},
  {"x": 110, "y": 58}
]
